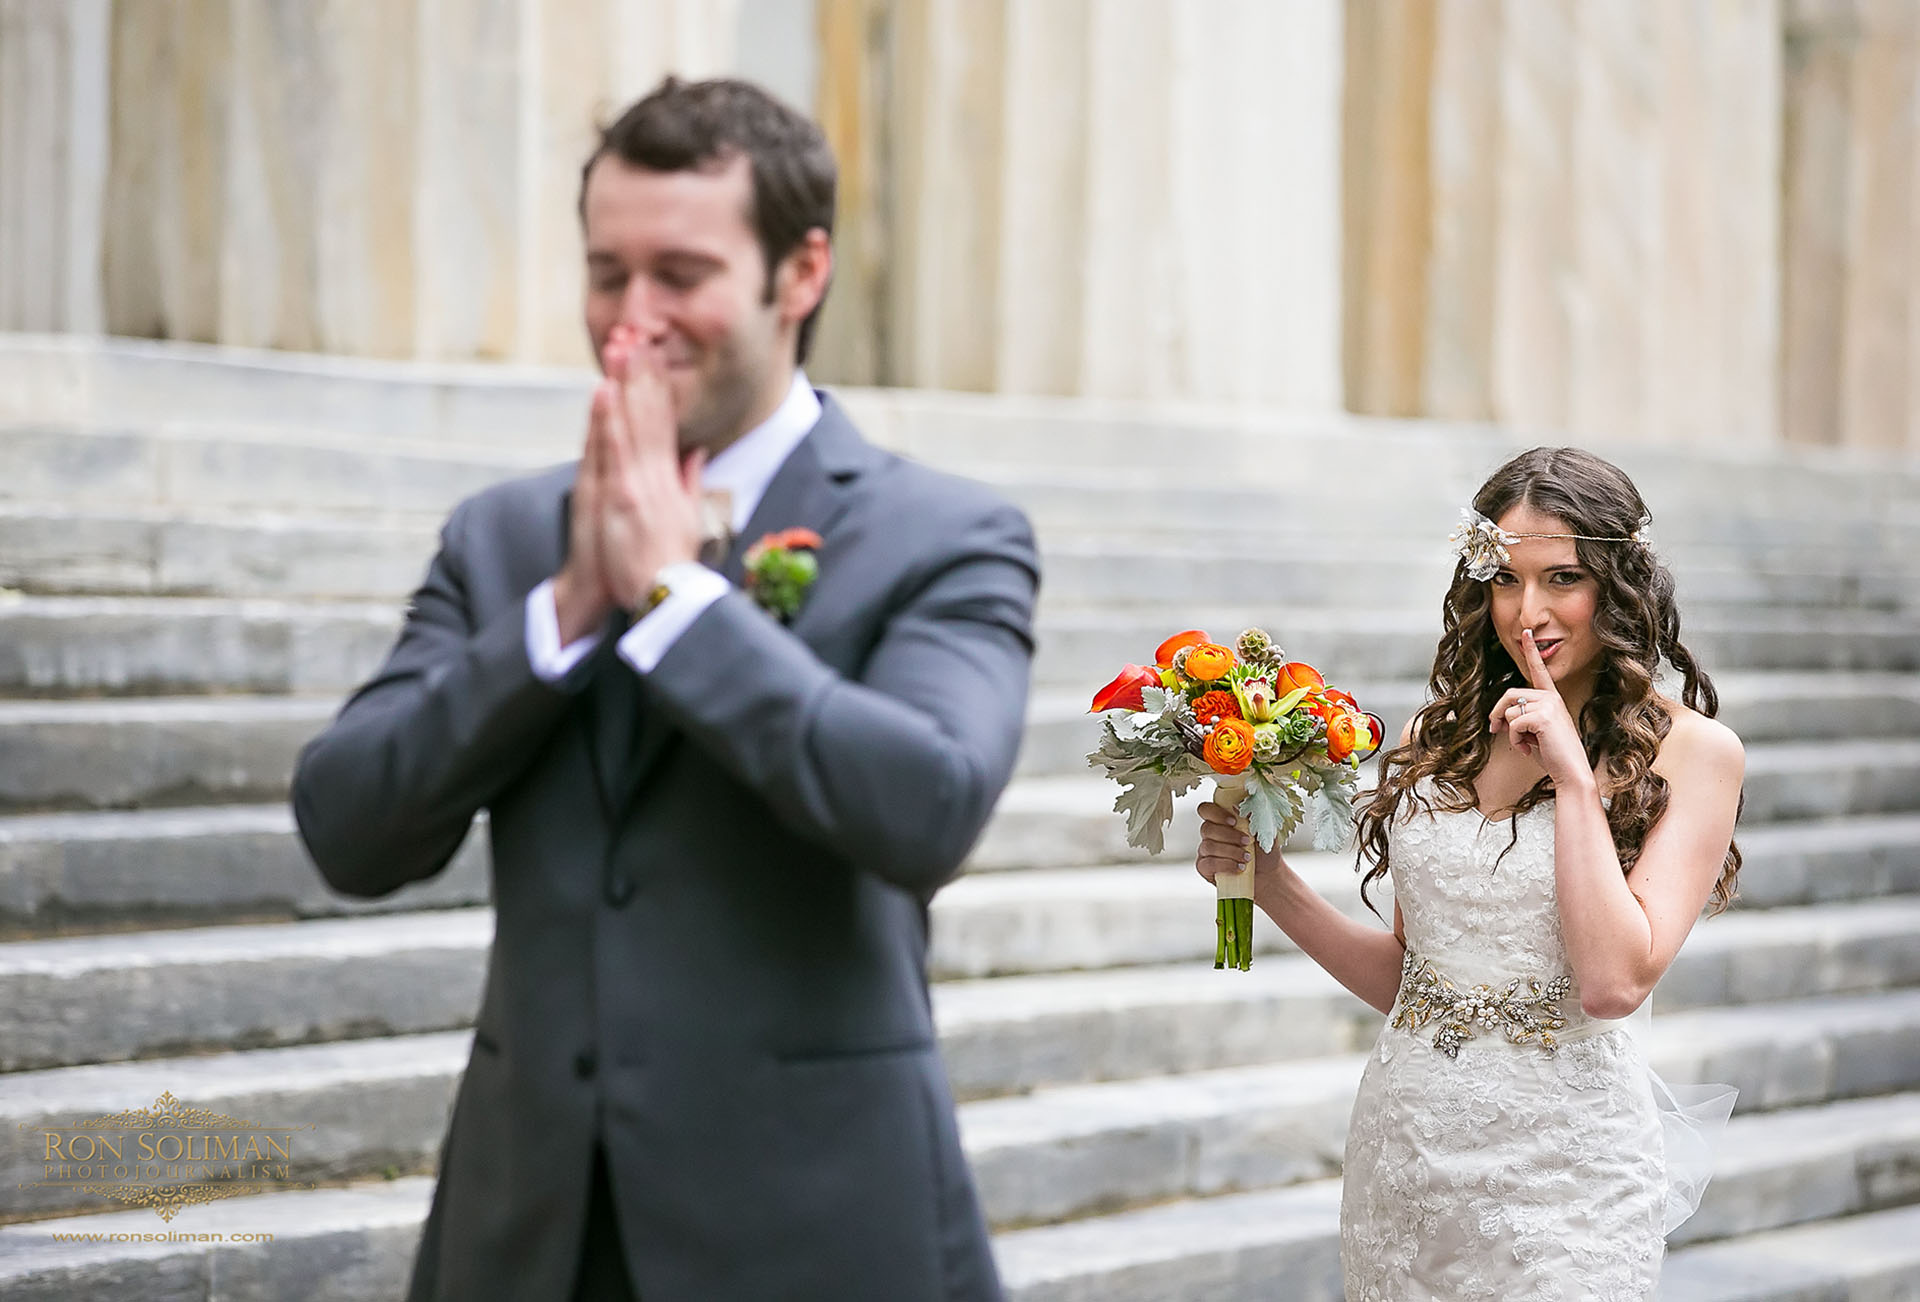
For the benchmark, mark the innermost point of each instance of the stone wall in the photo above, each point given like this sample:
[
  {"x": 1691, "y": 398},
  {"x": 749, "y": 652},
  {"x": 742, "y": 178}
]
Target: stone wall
[{"x": 1671, "y": 220}]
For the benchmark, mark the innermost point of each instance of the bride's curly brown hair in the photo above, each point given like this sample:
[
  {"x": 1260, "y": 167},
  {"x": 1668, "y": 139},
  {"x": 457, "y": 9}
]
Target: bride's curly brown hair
[{"x": 1637, "y": 624}]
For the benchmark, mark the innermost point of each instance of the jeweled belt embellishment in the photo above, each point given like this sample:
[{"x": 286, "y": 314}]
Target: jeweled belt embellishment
[{"x": 1526, "y": 1012}]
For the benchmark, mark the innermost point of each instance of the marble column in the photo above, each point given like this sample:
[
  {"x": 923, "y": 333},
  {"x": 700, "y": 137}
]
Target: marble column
[
  {"x": 1852, "y": 227},
  {"x": 1565, "y": 215},
  {"x": 54, "y": 70}
]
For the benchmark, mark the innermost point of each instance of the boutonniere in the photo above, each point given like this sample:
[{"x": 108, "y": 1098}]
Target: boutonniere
[{"x": 780, "y": 568}]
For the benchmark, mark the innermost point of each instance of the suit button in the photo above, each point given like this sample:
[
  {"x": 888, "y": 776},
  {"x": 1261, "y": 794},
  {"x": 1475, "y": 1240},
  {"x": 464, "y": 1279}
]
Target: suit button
[
  {"x": 619, "y": 891},
  {"x": 584, "y": 1063}
]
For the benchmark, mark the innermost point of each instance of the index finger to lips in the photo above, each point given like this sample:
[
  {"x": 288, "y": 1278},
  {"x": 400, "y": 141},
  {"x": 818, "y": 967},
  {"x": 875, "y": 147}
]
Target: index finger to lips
[{"x": 1536, "y": 667}]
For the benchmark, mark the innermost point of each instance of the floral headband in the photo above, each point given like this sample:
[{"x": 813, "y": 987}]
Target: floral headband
[{"x": 1482, "y": 544}]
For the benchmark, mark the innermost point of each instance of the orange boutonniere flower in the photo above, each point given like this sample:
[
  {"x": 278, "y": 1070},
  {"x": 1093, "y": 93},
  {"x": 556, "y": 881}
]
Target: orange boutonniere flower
[{"x": 780, "y": 568}]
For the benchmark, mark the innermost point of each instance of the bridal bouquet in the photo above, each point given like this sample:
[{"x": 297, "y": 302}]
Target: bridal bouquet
[{"x": 1276, "y": 740}]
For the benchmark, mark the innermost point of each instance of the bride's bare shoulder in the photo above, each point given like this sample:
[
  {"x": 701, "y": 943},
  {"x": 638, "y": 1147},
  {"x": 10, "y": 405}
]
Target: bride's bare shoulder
[{"x": 1698, "y": 746}]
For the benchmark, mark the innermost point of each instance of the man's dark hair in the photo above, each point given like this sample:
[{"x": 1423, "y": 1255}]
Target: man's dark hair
[{"x": 693, "y": 125}]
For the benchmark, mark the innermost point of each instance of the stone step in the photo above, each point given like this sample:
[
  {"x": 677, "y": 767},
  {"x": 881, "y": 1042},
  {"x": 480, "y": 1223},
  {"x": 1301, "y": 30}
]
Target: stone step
[
  {"x": 1759, "y": 706},
  {"x": 122, "y": 752},
  {"x": 1765, "y": 955},
  {"x": 1061, "y": 1154},
  {"x": 372, "y": 1106},
  {"x": 1083, "y": 649},
  {"x": 1098, "y": 570},
  {"x": 1869, "y": 1258},
  {"x": 119, "y": 753},
  {"x": 202, "y": 462},
  {"x": 204, "y": 466},
  {"x": 115, "y": 870},
  {"x": 294, "y": 395},
  {"x": 381, "y": 1104},
  {"x": 1010, "y": 1033},
  {"x": 1070, "y": 819},
  {"x": 77, "y": 378},
  {"x": 350, "y": 1245},
  {"x": 157, "y": 552},
  {"x": 1240, "y": 1247},
  {"x": 61, "y": 646},
  {"x": 51, "y": 646},
  {"x": 178, "y": 551},
  {"x": 1235, "y": 1246},
  {"x": 113, "y": 997},
  {"x": 107, "y": 998},
  {"x": 1081, "y": 919}
]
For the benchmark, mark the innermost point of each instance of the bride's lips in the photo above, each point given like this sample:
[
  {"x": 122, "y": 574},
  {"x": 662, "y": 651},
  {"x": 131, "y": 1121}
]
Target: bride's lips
[{"x": 1546, "y": 647}]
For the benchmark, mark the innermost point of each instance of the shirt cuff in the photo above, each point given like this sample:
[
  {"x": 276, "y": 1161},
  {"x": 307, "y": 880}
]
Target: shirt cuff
[
  {"x": 691, "y": 588},
  {"x": 551, "y": 662}
]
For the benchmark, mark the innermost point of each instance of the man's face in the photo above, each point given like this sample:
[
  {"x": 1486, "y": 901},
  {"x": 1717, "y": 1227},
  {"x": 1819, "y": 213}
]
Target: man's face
[{"x": 673, "y": 255}]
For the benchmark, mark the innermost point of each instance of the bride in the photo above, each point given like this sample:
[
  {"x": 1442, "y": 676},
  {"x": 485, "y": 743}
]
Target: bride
[{"x": 1552, "y": 825}]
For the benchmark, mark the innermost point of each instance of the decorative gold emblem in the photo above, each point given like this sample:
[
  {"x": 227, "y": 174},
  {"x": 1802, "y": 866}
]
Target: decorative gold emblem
[
  {"x": 93, "y": 1156},
  {"x": 1525, "y": 1012}
]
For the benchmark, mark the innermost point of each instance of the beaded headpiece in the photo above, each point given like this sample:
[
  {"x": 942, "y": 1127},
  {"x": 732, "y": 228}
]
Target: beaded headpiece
[{"x": 1482, "y": 544}]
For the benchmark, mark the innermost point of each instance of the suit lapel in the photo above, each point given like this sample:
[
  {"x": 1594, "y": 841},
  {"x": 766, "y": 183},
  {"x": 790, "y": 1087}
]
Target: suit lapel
[{"x": 811, "y": 490}]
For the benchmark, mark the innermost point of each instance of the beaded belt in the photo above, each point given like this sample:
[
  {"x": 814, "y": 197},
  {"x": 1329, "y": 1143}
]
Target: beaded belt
[{"x": 1526, "y": 1012}]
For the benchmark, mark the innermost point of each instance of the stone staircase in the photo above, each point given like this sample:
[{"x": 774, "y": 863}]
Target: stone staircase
[{"x": 202, "y": 551}]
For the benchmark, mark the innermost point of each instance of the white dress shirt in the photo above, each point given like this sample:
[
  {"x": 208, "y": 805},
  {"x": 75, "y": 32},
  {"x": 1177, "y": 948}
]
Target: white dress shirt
[{"x": 744, "y": 470}]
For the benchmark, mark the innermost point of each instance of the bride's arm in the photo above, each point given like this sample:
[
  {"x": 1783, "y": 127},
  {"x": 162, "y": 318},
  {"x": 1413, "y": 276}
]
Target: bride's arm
[
  {"x": 1360, "y": 956},
  {"x": 1623, "y": 930}
]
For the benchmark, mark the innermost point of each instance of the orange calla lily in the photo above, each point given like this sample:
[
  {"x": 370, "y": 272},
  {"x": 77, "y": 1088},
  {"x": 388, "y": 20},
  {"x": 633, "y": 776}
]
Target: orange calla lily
[
  {"x": 1192, "y": 637},
  {"x": 1123, "y": 693},
  {"x": 1296, "y": 673}
]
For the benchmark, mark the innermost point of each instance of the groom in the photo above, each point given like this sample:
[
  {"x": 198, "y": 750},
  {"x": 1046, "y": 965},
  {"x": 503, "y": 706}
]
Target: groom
[{"x": 704, "y": 1067}]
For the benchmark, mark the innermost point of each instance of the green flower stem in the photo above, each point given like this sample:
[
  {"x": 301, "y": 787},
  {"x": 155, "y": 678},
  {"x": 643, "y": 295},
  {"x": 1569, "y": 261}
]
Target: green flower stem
[{"x": 1220, "y": 935}]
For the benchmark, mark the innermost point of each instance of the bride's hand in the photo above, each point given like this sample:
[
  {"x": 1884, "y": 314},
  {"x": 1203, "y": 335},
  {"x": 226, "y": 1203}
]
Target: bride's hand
[
  {"x": 1536, "y": 720},
  {"x": 1223, "y": 846}
]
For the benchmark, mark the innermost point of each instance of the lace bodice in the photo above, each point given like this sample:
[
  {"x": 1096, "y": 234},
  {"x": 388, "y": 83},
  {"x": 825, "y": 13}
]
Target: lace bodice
[{"x": 1469, "y": 910}]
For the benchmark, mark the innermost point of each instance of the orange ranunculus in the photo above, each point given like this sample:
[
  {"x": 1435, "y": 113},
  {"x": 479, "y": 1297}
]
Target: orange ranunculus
[
  {"x": 1229, "y": 747},
  {"x": 1376, "y": 731},
  {"x": 1342, "y": 736},
  {"x": 794, "y": 538},
  {"x": 1335, "y": 694},
  {"x": 1123, "y": 693},
  {"x": 1208, "y": 662},
  {"x": 1211, "y": 707},
  {"x": 1294, "y": 675},
  {"x": 1192, "y": 637}
]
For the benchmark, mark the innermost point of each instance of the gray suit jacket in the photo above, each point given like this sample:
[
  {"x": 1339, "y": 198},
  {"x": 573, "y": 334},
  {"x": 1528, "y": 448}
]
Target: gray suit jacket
[{"x": 711, "y": 887}]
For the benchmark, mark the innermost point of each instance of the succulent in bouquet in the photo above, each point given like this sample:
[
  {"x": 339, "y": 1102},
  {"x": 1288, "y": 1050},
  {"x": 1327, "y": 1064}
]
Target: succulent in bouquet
[{"x": 1277, "y": 740}]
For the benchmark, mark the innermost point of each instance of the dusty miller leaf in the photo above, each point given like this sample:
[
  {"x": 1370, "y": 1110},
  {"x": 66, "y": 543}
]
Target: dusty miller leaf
[
  {"x": 1273, "y": 809},
  {"x": 1332, "y": 814}
]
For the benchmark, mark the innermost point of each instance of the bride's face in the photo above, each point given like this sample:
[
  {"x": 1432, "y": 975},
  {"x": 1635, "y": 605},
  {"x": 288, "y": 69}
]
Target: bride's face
[{"x": 1545, "y": 588}]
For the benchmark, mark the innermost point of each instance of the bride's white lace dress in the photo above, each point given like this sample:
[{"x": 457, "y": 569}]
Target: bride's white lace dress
[{"x": 1505, "y": 1172}]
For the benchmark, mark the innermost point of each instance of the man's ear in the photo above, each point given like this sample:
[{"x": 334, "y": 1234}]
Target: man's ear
[{"x": 801, "y": 282}]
